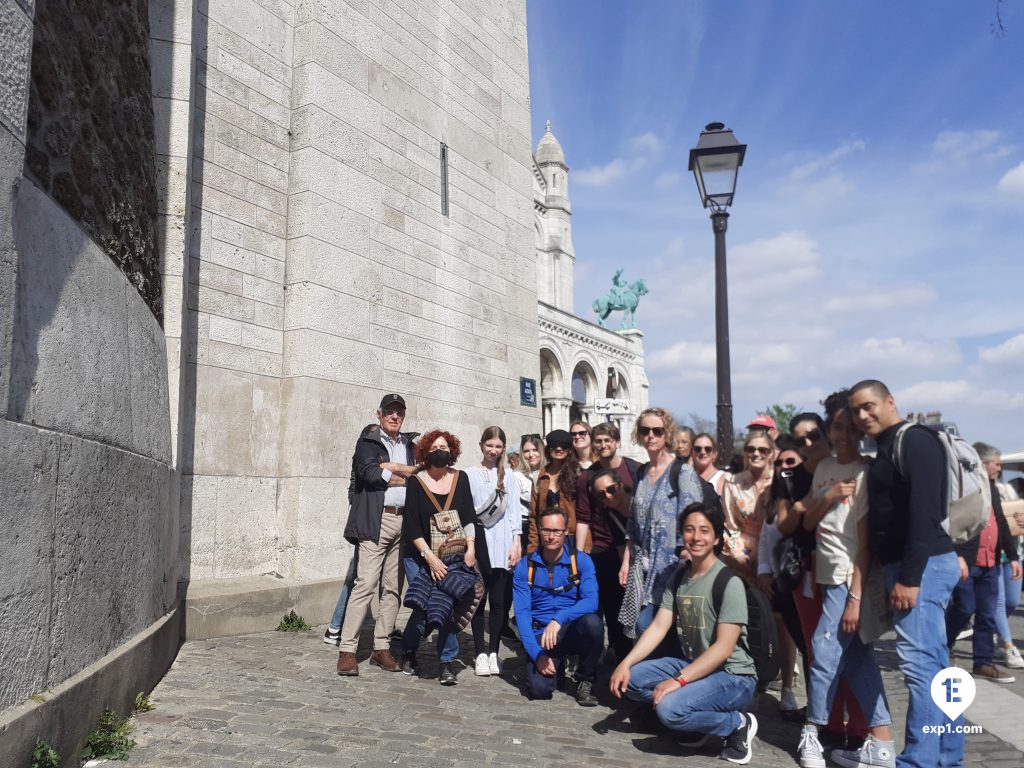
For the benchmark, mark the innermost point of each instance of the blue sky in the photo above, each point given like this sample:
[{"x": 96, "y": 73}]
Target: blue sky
[{"x": 877, "y": 227}]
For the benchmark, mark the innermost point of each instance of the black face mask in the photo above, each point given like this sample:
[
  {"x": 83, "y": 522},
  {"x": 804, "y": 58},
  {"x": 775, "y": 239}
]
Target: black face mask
[{"x": 439, "y": 458}]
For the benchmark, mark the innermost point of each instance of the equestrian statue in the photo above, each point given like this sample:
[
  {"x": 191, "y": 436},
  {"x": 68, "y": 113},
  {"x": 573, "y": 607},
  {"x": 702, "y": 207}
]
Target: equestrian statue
[{"x": 621, "y": 298}]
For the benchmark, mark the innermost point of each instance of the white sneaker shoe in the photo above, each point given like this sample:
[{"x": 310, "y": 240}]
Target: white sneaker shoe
[
  {"x": 812, "y": 754},
  {"x": 493, "y": 664},
  {"x": 787, "y": 701},
  {"x": 1013, "y": 658},
  {"x": 483, "y": 669}
]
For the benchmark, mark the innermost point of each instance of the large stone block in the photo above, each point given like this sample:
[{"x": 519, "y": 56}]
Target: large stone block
[
  {"x": 28, "y": 480},
  {"x": 110, "y": 558},
  {"x": 311, "y": 516},
  {"x": 246, "y": 526},
  {"x": 15, "y": 52},
  {"x": 318, "y": 308}
]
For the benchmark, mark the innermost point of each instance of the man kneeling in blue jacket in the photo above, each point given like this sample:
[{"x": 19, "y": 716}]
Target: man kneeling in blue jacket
[{"x": 555, "y": 596}]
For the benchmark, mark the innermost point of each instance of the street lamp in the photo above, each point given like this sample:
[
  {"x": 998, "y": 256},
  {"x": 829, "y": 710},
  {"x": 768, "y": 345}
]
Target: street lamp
[{"x": 715, "y": 163}]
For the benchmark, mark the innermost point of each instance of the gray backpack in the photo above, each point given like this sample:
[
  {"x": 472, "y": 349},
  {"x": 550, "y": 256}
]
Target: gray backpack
[{"x": 969, "y": 495}]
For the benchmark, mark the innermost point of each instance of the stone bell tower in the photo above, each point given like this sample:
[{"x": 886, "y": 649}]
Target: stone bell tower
[{"x": 556, "y": 256}]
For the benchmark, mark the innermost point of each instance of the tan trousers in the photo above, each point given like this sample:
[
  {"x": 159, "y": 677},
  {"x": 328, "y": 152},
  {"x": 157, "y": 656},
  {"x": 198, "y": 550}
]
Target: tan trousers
[{"x": 378, "y": 565}]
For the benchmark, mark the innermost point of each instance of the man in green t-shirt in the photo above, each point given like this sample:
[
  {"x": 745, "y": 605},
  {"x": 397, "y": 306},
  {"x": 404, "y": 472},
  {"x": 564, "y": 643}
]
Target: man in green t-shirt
[{"x": 706, "y": 692}]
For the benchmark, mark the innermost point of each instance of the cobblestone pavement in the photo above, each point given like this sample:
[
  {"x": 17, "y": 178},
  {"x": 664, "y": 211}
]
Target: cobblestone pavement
[{"x": 274, "y": 699}]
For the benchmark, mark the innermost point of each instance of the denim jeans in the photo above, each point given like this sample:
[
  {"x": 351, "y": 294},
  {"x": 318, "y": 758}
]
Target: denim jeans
[
  {"x": 976, "y": 597},
  {"x": 1007, "y": 602},
  {"x": 921, "y": 646},
  {"x": 350, "y": 578},
  {"x": 583, "y": 637},
  {"x": 670, "y": 645},
  {"x": 834, "y": 653},
  {"x": 710, "y": 705},
  {"x": 447, "y": 637}
]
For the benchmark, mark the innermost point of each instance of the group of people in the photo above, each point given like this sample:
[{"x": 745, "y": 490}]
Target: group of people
[{"x": 663, "y": 558}]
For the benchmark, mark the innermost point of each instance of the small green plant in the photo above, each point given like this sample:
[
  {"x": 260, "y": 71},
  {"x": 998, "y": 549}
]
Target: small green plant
[
  {"x": 292, "y": 622},
  {"x": 142, "y": 703},
  {"x": 109, "y": 739},
  {"x": 45, "y": 756}
]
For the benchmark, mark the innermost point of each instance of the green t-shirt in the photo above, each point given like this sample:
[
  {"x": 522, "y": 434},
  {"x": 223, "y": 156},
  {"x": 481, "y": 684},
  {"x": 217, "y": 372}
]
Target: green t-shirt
[{"x": 695, "y": 617}]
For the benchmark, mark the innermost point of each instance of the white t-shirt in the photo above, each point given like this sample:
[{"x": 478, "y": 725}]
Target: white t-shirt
[
  {"x": 498, "y": 536},
  {"x": 837, "y": 531}
]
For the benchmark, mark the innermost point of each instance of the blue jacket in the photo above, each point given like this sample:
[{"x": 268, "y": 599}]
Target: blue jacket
[{"x": 539, "y": 603}]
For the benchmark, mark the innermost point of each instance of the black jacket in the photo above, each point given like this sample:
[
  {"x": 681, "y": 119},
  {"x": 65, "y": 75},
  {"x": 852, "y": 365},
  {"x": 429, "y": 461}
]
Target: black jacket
[
  {"x": 367, "y": 505},
  {"x": 969, "y": 550}
]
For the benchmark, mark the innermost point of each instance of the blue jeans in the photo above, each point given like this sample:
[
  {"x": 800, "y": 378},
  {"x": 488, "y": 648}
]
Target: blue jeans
[
  {"x": 670, "y": 645},
  {"x": 1006, "y": 604},
  {"x": 447, "y": 637},
  {"x": 975, "y": 597},
  {"x": 712, "y": 704},
  {"x": 583, "y": 637},
  {"x": 921, "y": 646},
  {"x": 350, "y": 578},
  {"x": 835, "y": 653}
]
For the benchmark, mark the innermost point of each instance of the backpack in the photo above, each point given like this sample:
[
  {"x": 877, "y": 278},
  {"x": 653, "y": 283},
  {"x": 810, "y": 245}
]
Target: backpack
[
  {"x": 762, "y": 637},
  {"x": 969, "y": 496},
  {"x": 711, "y": 498},
  {"x": 574, "y": 576}
]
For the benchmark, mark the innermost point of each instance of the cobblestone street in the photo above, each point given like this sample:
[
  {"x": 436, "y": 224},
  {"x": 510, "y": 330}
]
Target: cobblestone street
[{"x": 274, "y": 699}]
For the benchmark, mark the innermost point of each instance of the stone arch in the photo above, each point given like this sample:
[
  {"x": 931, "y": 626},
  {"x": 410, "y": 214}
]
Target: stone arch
[
  {"x": 552, "y": 378},
  {"x": 620, "y": 383},
  {"x": 584, "y": 389}
]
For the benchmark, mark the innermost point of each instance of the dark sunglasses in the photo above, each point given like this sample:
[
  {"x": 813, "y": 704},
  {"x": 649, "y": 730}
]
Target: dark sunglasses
[
  {"x": 757, "y": 450},
  {"x": 813, "y": 436},
  {"x": 611, "y": 490},
  {"x": 558, "y": 447},
  {"x": 576, "y": 435},
  {"x": 786, "y": 462},
  {"x": 524, "y": 438},
  {"x": 644, "y": 431},
  {"x": 703, "y": 449},
  {"x": 395, "y": 412}
]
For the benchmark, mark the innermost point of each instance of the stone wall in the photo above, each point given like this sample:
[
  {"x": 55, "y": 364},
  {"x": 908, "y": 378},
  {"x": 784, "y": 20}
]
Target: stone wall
[
  {"x": 322, "y": 271},
  {"x": 90, "y": 128}
]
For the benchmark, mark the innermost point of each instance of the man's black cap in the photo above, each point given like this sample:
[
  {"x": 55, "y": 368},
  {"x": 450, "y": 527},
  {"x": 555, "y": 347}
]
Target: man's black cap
[{"x": 392, "y": 399}]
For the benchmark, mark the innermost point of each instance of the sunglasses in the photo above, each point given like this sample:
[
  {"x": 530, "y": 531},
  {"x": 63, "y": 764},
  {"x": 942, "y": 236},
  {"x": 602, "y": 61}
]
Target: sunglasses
[
  {"x": 578, "y": 435},
  {"x": 558, "y": 447},
  {"x": 703, "y": 449},
  {"x": 813, "y": 436},
  {"x": 611, "y": 490},
  {"x": 534, "y": 436},
  {"x": 645, "y": 431},
  {"x": 786, "y": 462},
  {"x": 400, "y": 412},
  {"x": 759, "y": 451}
]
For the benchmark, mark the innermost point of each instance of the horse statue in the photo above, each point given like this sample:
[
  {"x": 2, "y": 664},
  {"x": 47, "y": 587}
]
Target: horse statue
[{"x": 621, "y": 298}]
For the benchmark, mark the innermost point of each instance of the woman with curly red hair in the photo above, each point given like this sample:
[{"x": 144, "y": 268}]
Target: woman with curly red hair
[{"x": 438, "y": 524}]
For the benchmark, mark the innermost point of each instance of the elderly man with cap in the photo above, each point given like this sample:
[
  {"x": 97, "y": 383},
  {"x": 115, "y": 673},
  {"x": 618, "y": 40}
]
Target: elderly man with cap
[{"x": 382, "y": 461}]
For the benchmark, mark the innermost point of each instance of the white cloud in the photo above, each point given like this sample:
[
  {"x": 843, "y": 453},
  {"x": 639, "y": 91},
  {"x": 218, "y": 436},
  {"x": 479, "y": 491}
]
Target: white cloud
[
  {"x": 668, "y": 180},
  {"x": 645, "y": 143},
  {"x": 895, "y": 352},
  {"x": 957, "y": 149},
  {"x": 822, "y": 163},
  {"x": 688, "y": 358},
  {"x": 782, "y": 263},
  {"x": 860, "y": 297},
  {"x": 926, "y": 395},
  {"x": 598, "y": 176},
  {"x": 1012, "y": 182},
  {"x": 1010, "y": 351},
  {"x": 817, "y": 180}
]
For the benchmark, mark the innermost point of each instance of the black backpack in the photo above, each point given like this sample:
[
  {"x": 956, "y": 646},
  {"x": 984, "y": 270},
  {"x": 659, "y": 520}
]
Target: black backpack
[
  {"x": 711, "y": 498},
  {"x": 762, "y": 638}
]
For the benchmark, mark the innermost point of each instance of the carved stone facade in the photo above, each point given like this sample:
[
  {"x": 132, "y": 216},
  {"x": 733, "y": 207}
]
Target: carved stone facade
[{"x": 580, "y": 362}]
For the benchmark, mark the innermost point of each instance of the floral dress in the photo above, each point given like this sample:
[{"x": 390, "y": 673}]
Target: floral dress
[
  {"x": 653, "y": 537},
  {"x": 745, "y": 507}
]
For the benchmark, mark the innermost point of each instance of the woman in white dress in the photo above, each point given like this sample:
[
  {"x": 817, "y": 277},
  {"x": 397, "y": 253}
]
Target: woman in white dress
[{"x": 496, "y": 499}]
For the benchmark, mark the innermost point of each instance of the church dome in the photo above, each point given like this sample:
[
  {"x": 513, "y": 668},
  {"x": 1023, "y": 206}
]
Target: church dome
[{"x": 548, "y": 149}]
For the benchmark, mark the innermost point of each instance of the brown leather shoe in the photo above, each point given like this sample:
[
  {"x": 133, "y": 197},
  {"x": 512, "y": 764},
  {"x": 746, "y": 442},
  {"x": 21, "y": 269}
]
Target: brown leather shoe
[
  {"x": 385, "y": 661},
  {"x": 347, "y": 664}
]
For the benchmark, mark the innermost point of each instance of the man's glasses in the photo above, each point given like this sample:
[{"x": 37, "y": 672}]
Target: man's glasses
[
  {"x": 703, "y": 449},
  {"x": 813, "y": 436},
  {"x": 399, "y": 412},
  {"x": 786, "y": 462},
  {"x": 579, "y": 435},
  {"x": 759, "y": 451},
  {"x": 610, "y": 491},
  {"x": 645, "y": 431},
  {"x": 552, "y": 533}
]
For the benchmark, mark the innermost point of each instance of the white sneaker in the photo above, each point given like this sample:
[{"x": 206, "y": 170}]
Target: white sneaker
[
  {"x": 787, "y": 701},
  {"x": 1013, "y": 658},
  {"x": 872, "y": 754},
  {"x": 812, "y": 754},
  {"x": 483, "y": 669},
  {"x": 493, "y": 664}
]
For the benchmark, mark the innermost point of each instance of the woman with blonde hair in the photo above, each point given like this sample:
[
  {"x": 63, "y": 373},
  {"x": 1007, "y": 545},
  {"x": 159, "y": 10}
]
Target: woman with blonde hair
[
  {"x": 651, "y": 532},
  {"x": 745, "y": 500}
]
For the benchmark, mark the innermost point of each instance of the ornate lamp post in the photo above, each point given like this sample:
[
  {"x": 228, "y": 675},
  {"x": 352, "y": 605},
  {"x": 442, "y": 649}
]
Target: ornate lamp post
[{"x": 715, "y": 163}]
